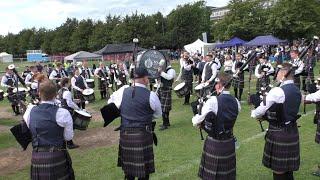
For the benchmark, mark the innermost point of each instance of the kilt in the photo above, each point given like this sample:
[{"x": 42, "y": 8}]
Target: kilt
[
  {"x": 238, "y": 82},
  {"x": 297, "y": 81},
  {"x": 102, "y": 85},
  {"x": 78, "y": 95},
  {"x": 136, "y": 153},
  {"x": 318, "y": 133},
  {"x": 282, "y": 149},
  {"x": 51, "y": 165},
  {"x": 261, "y": 82},
  {"x": 218, "y": 159},
  {"x": 165, "y": 98}
]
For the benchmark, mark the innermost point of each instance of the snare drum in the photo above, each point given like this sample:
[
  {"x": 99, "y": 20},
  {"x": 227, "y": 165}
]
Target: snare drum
[
  {"x": 81, "y": 119},
  {"x": 198, "y": 89},
  {"x": 1, "y": 95},
  {"x": 88, "y": 95},
  {"x": 181, "y": 89},
  {"x": 22, "y": 91},
  {"x": 90, "y": 83}
]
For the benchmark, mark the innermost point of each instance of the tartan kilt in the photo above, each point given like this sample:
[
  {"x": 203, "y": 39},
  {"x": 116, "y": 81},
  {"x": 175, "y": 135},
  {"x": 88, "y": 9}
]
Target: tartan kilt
[
  {"x": 136, "y": 153},
  {"x": 218, "y": 159},
  {"x": 282, "y": 149},
  {"x": 318, "y": 133},
  {"x": 165, "y": 96},
  {"x": 51, "y": 165},
  {"x": 297, "y": 81},
  {"x": 78, "y": 95},
  {"x": 261, "y": 81},
  {"x": 238, "y": 82},
  {"x": 102, "y": 85}
]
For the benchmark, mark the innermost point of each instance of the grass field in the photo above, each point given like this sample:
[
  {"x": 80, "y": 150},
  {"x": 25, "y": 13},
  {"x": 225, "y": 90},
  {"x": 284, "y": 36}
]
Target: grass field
[{"x": 178, "y": 153}]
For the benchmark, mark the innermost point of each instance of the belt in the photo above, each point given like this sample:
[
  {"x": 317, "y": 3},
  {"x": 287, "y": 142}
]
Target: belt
[
  {"x": 222, "y": 136},
  {"x": 49, "y": 149},
  {"x": 135, "y": 129}
]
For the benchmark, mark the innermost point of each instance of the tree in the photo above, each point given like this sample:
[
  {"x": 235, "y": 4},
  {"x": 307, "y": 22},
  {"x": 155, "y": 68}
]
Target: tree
[{"x": 80, "y": 37}]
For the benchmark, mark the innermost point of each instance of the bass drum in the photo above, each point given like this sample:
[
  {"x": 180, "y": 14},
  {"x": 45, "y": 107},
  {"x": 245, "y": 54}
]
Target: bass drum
[{"x": 151, "y": 60}]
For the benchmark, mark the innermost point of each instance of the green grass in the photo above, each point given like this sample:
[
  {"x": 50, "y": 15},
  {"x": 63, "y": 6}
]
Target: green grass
[{"x": 178, "y": 153}]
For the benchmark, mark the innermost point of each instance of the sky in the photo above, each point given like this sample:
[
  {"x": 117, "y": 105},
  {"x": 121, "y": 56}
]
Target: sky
[{"x": 16, "y": 15}]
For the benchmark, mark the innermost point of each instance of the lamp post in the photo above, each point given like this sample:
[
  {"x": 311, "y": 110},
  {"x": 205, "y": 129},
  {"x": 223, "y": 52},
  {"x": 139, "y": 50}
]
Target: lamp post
[{"x": 135, "y": 42}]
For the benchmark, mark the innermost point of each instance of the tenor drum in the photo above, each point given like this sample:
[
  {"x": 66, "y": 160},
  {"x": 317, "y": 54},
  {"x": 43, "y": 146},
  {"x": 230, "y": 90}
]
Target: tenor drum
[
  {"x": 1, "y": 95},
  {"x": 81, "y": 119},
  {"x": 151, "y": 60},
  {"x": 90, "y": 83},
  {"x": 181, "y": 89},
  {"x": 88, "y": 95}
]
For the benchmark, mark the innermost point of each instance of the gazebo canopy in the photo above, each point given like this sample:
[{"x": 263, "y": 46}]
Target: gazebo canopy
[
  {"x": 232, "y": 42},
  {"x": 265, "y": 40},
  {"x": 118, "y": 49},
  {"x": 81, "y": 55}
]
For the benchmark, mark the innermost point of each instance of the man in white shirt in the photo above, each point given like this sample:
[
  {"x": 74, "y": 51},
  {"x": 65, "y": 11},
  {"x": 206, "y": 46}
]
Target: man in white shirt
[
  {"x": 262, "y": 72},
  {"x": 30, "y": 77},
  {"x": 210, "y": 70},
  {"x": 50, "y": 127},
  {"x": 298, "y": 66},
  {"x": 280, "y": 109}
]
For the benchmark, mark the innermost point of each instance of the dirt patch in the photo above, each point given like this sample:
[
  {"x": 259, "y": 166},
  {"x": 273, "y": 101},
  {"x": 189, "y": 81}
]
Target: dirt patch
[
  {"x": 4, "y": 128},
  {"x": 14, "y": 159},
  {"x": 7, "y": 113},
  {"x": 96, "y": 115}
]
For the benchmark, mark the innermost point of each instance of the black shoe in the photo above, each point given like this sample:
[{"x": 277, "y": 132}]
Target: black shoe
[
  {"x": 163, "y": 127},
  {"x": 317, "y": 172},
  {"x": 72, "y": 146}
]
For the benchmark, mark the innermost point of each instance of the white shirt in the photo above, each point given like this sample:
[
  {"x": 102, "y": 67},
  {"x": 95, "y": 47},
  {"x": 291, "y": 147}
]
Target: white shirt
[
  {"x": 28, "y": 81},
  {"x": 68, "y": 97},
  {"x": 211, "y": 105},
  {"x": 299, "y": 64},
  {"x": 63, "y": 118},
  {"x": 106, "y": 71},
  {"x": 88, "y": 69},
  {"x": 73, "y": 83},
  {"x": 256, "y": 71},
  {"x": 275, "y": 95},
  {"x": 155, "y": 104},
  {"x": 228, "y": 65},
  {"x": 234, "y": 69},
  {"x": 5, "y": 79},
  {"x": 314, "y": 97},
  {"x": 218, "y": 63},
  {"x": 214, "y": 69},
  {"x": 53, "y": 74},
  {"x": 171, "y": 74}
]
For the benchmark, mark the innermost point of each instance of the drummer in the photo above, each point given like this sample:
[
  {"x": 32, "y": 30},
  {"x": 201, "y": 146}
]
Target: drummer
[
  {"x": 121, "y": 75},
  {"x": 210, "y": 70},
  {"x": 78, "y": 84},
  {"x": 9, "y": 81},
  {"x": 186, "y": 65},
  {"x": 102, "y": 73},
  {"x": 57, "y": 73},
  {"x": 30, "y": 76},
  {"x": 85, "y": 71},
  {"x": 65, "y": 96}
]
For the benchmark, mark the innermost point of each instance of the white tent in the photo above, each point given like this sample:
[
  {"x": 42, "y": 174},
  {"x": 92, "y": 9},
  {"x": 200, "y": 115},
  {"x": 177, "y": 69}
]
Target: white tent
[
  {"x": 81, "y": 55},
  {"x": 5, "y": 57},
  {"x": 199, "y": 47}
]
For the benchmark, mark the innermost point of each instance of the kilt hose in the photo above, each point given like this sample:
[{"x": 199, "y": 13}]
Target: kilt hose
[
  {"x": 51, "y": 165},
  {"x": 218, "y": 159},
  {"x": 318, "y": 133},
  {"x": 136, "y": 153},
  {"x": 238, "y": 82},
  {"x": 165, "y": 96},
  {"x": 282, "y": 149}
]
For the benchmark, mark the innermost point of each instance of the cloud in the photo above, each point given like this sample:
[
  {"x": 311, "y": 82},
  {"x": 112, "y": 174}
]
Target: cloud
[{"x": 16, "y": 14}]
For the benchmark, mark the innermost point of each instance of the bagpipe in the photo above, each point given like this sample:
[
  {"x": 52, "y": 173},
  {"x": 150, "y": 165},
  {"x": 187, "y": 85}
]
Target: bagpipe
[{"x": 197, "y": 105}]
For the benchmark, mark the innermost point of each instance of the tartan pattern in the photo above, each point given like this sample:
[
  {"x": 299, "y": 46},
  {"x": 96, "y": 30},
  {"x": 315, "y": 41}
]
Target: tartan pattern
[
  {"x": 165, "y": 96},
  {"x": 218, "y": 159},
  {"x": 51, "y": 165},
  {"x": 238, "y": 82},
  {"x": 102, "y": 85},
  {"x": 282, "y": 149},
  {"x": 78, "y": 95},
  {"x": 136, "y": 153}
]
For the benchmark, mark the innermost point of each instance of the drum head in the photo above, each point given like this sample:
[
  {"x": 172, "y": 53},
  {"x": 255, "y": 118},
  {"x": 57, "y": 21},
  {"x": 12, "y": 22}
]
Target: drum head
[
  {"x": 83, "y": 113},
  {"x": 150, "y": 60},
  {"x": 179, "y": 86},
  {"x": 20, "y": 89},
  {"x": 1, "y": 91},
  {"x": 89, "y": 80},
  {"x": 155, "y": 85},
  {"x": 102, "y": 79},
  {"x": 87, "y": 92}
]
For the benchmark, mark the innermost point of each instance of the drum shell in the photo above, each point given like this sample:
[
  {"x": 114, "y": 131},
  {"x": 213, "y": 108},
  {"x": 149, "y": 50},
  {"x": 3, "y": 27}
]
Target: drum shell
[
  {"x": 183, "y": 91},
  {"x": 90, "y": 84},
  {"x": 90, "y": 98},
  {"x": 80, "y": 122}
]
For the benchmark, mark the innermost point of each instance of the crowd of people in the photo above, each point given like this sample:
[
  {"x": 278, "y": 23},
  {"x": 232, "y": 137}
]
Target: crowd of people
[{"x": 58, "y": 91}]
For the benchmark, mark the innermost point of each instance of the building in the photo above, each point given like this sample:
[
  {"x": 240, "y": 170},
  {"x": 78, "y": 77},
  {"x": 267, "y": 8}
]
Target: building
[{"x": 218, "y": 13}]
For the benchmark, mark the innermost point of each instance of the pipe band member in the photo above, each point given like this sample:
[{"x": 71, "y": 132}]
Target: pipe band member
[
  {"x": 217, "y": 118},
  {"x": 238, "y": 80},
  {"x": 50, "y": 127},
  {"x": 78, "y": 84},
  {"x": 58, "y": 73},
  {"x": 102, "y": 73},
  {"x": 165, "y": 93},
  {"x": 281, "y": 106},
  {"x": 65, "y": 97},
  {"x": 315, "y": 98},
  {"x": 262, "y": 72},
  {"x": 9, "y": 81},
  {"x": 297, "y": 65},
  {"x": 138, "y": 106}
]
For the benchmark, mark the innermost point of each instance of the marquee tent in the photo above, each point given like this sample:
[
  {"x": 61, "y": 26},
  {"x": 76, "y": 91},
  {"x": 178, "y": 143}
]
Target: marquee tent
[
  {"x": 199, "y": 47},
  {"x": 5, "y": 57},
  {"x": 82, "y": 55}
]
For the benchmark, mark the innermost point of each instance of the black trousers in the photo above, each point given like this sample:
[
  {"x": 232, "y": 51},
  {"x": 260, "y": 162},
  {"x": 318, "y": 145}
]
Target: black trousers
[{"x": 165, "y": 118}]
